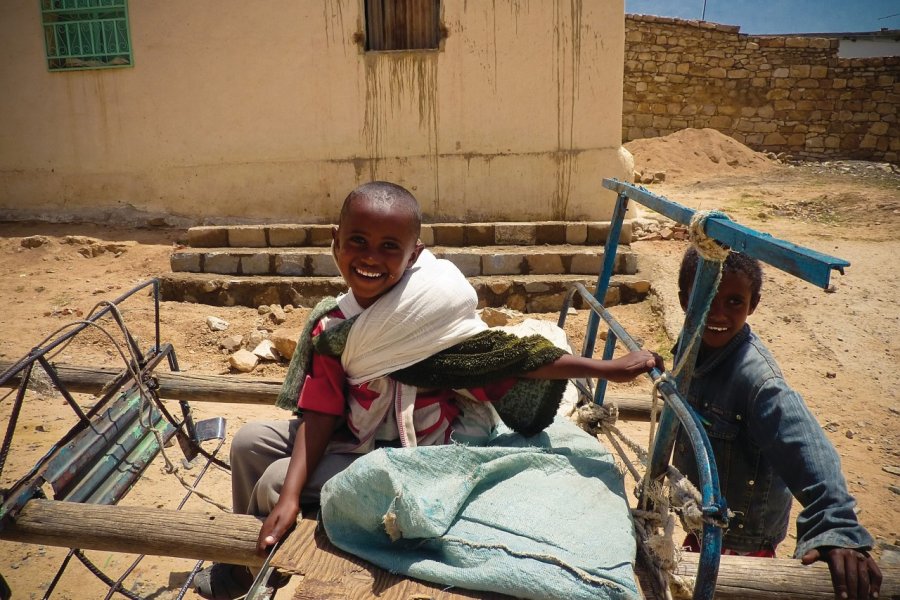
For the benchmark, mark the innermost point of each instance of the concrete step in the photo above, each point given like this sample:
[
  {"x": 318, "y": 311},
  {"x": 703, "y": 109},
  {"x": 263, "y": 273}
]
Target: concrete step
[
  {"x": 526, "y": 293},
  {"x": 433, "y": 234},
  {"x": 472, "y": 261}
]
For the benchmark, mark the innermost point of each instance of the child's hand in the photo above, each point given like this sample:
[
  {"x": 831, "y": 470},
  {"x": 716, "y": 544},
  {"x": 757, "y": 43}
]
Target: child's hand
[
  {"x": 854, "y": 574},
  {"x": 633, "y": 364},
  {"x": 279, "y": 521}
]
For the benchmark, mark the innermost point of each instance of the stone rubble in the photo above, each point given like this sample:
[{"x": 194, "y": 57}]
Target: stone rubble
[
  {"x": 243, "y": 361},
  {"x": 216, "y": 323},
  {"x": 265, "y": 350}
]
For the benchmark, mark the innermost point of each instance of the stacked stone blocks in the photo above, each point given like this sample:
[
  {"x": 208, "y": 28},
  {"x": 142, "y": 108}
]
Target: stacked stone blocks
[
  {"x": 317, "y": 262},
  {"x": 436, "y": 234},
  {"x": 523, "y": 266}
]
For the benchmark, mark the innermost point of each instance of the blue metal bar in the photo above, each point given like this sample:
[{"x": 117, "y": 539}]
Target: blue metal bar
[
  {"x": 609, "y": 264},
  {"x": 702, "y": 293},
  {"x": 809, "y": 265}
]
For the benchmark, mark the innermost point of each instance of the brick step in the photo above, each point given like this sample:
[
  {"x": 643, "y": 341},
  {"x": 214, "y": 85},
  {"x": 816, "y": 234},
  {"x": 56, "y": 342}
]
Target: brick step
[
  {"x": 526, "y": 293},
  {"x": 482, "y": 260},
  {"x": 434, "y": 234}
]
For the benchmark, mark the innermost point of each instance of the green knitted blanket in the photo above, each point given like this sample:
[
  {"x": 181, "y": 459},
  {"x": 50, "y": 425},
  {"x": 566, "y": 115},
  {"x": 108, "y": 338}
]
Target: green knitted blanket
[{"x": 527, "y": 408}]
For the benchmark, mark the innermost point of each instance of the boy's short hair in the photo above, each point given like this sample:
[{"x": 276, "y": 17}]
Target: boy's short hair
[
  {"x": 386, "y": 194},
  {"x": 735, "y": 263}
]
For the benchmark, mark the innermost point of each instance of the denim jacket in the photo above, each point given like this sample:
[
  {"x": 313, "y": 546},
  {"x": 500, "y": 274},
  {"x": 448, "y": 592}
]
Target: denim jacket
[{"x": 768, "y": 447}]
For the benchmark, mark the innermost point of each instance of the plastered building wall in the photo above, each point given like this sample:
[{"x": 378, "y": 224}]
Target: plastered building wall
[
  {"x": 275, "y": 113},
  {"x": 780, "y": 94}
]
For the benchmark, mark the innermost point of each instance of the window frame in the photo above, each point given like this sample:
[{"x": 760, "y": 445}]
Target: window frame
[
  {"x": 389, "y": 38},
  {"x": 107, "y": 24}
]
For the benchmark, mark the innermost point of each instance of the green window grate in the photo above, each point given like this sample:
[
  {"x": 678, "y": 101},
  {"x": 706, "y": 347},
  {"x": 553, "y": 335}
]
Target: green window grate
[{"x": 86, "y": 34}]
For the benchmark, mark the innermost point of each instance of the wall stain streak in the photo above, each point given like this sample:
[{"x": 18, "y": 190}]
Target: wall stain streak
[
  {"x": 566, "y": 73},
  {"x": 398, "y": 83},
  {"x": 494, "y": 45},
  {"x": 515, "y": 9},
  {"x": 333, "y": 13}
]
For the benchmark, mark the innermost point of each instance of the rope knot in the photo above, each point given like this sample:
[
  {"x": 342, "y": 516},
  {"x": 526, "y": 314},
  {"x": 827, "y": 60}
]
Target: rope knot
[
  {"x": 706, "y": 247},
  {"x": 596, "y": 418}
]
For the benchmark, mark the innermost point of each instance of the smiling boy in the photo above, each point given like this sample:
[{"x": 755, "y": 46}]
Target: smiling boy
[
  {"x": 377, "y": 239},
  {"x": 767, "y": 445}
]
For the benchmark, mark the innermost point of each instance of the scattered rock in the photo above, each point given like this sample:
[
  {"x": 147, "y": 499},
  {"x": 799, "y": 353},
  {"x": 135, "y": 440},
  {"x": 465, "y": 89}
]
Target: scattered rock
[
  {"x": 891, "y": 469},
  {"x": 288, "y": 308},
  {"x": 255, "y": 337},
  {"x": 285, "y": 341},
  {"x": 894, "y": 488},
  {"x": 216, "y": 323},
  {"x": 231, "y": 343},
  {"x": 495, "y": 317},
  {"x": 830, "y": 374},
  {"x": 850, "y": 434},
  {"x": 243, "y": 361},
  {"x": 92, "y": 247},
  {"x": 264, "y": 309},
  {"x": 64, "y": 312},
  {"x": 41, "y": 428},
  {"x": 266, "y": 350},
  {"x": 277, "y": 314},
  {"x": 34, "y": 241}
]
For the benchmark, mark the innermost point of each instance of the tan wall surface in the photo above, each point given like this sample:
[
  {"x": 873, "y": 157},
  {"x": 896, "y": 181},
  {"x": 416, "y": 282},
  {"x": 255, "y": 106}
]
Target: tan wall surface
[
  {"x": 275, "y": 113},
  {"x": 781, "y": 94}
]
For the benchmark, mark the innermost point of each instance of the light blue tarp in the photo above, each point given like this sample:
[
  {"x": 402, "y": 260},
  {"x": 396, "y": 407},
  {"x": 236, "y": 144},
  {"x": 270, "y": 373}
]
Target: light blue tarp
[{"x": 541, "y": 517}]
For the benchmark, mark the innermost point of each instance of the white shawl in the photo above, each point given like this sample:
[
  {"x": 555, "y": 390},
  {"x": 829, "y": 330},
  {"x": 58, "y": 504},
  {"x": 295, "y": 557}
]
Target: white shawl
[{"x": 432, "y": 308}]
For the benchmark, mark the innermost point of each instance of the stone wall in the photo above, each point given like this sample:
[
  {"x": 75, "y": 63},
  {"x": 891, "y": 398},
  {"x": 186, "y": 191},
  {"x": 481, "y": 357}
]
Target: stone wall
[{"x": 789, "y": 95}]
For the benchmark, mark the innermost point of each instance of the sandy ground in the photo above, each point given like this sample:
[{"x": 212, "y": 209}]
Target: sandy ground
[{"x": 840, "y": 349}]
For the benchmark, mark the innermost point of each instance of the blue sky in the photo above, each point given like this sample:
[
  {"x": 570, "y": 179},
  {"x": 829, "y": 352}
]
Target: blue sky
[{"x": 781, "y": 16}]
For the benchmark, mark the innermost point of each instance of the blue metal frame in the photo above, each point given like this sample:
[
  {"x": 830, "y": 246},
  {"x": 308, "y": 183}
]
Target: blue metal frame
[{"x": 809, "y": 265}]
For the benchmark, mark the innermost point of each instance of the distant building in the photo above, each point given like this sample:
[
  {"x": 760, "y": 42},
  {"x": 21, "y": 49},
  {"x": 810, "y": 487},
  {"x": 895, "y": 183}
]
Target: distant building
[{"x": 862, "y": 44}]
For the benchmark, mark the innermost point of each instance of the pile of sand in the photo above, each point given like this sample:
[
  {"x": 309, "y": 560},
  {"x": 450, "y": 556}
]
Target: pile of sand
[{"x": 692, "y": 154}]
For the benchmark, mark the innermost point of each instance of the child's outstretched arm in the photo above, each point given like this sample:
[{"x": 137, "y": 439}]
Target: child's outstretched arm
[
  {"x": 310, "y": 442},
  {"x": 617, "y": 370}
]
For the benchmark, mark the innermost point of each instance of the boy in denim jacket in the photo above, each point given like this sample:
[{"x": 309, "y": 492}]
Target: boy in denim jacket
[{"x": 767, "y": 445}]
